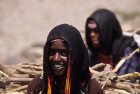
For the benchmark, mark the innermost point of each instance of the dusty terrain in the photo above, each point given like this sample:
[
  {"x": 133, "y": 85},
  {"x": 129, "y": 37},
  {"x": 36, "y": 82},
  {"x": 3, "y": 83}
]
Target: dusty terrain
[{"x": 27, "y": 22}]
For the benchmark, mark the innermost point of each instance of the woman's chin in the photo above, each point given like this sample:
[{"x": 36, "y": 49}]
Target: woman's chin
[{"x": 58, "y": 72}]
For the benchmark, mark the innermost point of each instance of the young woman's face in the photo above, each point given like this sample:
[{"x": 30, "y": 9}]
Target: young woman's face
[
  {"x": 58, "y": 57},
  {"x": 94, "y": 35}
]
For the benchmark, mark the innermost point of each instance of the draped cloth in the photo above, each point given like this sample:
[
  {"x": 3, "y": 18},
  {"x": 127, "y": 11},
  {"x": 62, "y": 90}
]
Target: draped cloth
[
  {"x": 77, "y": 75},
  {"x": 112, "y": 42},
  {"x": 79, "y": 60}
]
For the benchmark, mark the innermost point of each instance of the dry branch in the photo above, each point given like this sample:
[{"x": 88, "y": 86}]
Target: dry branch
[
  {"x": 130, "y": 75},
  {"x": 18, "y": 89},
  {"x": 21, "y": 75},
  {"x": 109, "y": 79},
  {"x": 122, "y": 61}
]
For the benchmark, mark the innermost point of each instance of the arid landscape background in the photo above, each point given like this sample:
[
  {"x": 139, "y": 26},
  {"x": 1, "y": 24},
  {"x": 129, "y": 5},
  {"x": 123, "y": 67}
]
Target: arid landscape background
[{"x": 27, "y": 22}]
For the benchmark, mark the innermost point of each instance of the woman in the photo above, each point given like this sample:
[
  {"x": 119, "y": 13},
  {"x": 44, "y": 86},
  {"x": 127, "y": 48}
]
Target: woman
[
  {"x": 107, "y": 44},
  {"x": 65, "y": 64}
]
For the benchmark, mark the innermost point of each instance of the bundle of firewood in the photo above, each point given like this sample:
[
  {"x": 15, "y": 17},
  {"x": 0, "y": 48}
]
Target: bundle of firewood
[
  {"x": 116, "y": 84},
  {"x": 28, "y": 63},
  {"x": 14, "y": 79}
]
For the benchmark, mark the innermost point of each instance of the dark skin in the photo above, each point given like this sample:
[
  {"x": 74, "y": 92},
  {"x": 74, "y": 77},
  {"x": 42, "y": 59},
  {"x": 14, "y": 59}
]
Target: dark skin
[
  {"x": 65, "y": 63},
  {"x": 95, "y": 38},
  {"x": 58, "y": 58},
  {"x": 94, "y": 35}
]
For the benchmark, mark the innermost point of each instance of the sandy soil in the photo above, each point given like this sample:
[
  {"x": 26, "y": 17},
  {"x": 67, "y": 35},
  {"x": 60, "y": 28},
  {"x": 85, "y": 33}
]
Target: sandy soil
[{"x": 26, "y": 22}]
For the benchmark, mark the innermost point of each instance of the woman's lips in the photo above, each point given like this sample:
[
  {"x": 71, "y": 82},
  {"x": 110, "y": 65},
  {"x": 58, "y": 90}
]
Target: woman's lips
[{"x": 58, "y": 66}]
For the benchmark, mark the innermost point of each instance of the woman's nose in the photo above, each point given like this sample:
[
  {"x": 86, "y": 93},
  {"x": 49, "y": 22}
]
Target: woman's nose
[
  {"x": 92, "y": 34},
  {"x": 56, "y": 57}
]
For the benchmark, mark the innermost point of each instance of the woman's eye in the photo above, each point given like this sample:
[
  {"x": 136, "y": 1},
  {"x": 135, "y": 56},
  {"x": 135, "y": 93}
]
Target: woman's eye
[
  {"x": 64, "y": 53},
  {"x": 52, "y": 51},
  {"x": 60, "y": 51}
]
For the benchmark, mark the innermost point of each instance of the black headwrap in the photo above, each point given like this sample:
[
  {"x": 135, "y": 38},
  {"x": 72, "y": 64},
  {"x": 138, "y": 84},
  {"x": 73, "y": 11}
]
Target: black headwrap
[
  {"x": 108, "y": 27},
  {"x": 111, "y": 37},
  {"x": 79, "y": 61}
]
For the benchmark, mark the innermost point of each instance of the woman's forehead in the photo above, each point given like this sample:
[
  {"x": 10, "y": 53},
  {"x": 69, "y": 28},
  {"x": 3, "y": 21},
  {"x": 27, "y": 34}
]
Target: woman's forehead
[
  {"x": 57, "y": 39},
  {"x": 92, "y": 24},
  {"x": 58, "y": 44}
]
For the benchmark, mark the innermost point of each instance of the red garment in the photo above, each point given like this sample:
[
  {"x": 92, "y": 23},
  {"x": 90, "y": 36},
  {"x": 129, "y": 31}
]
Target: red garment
[
  {"x": 34, "y": 86},
  {"x": 105, "y": 59}
]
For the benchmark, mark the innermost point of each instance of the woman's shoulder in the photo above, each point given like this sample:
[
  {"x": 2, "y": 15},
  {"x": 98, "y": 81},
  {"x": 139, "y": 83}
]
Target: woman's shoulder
[
  {"x": 35, "y": 85},
  {"x": 120, "y": 46},
  {"x": 95, "y": 87}
]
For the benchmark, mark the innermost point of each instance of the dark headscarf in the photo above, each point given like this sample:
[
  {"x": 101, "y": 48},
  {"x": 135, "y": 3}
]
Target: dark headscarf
[
  {"x": 108, "y": 28},
  {"x": 110, "y": 32},
  {"x": 79, "y": 61}
]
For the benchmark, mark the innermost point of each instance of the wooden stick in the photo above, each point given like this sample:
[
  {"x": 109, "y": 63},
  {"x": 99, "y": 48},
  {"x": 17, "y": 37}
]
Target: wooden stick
[
  {"x": 26, "y": 71},
  {"x": 97, "y": 66},
  {"x": 93, "y": 71},
  {"x": 119, "y": 85},
  {"x": 129, "y": 75},
  {"x": 19, "y": 79},
  {"x": 18, "y": 89},
  {"x": 2, "y": 73},
  {"x": 122, "y": 61},
  {"x": 32, "y": 67}
]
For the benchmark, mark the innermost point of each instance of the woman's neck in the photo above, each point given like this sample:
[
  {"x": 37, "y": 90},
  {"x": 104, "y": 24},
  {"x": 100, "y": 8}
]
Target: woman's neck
[
  {"x": 107, "y": 59},
  {"x": 59, "y": 84}
]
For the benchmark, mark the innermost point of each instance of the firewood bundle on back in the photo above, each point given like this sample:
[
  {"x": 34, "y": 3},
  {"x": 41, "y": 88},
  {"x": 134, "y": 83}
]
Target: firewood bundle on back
[
  {"x": 14, "y": 79},
  {"x": 116, "y": 84}
]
